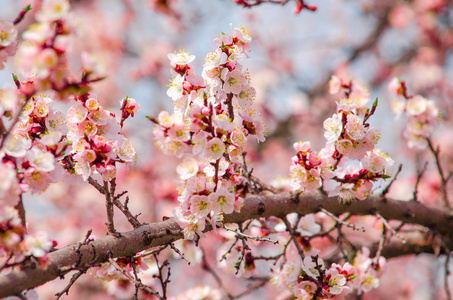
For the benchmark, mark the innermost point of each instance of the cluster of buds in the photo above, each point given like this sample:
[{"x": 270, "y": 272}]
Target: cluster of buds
[
  {"x": 211, "y": 123},
  {"x": 96, "y": 142},
  {"x": 422, "y": 114},
  {"x": 310, "y": 279}
]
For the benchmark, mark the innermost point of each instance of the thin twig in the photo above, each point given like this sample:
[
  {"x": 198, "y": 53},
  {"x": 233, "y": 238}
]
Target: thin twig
[
  {"x": 160, "y": 276},
  {"x": 390, "y": 228},
  {"x": 342, "y": 222},
  {"x": 245, "y": 236},
  {"x": 447, "y": 273},
  {"x": 417, "y": 182},
  {"x": 71, "y": 282},
  {"x": 173, "y": 247},
  {"x": 251, "y": 289},
  {"x": 206, "y": 267},
  {"x": 135, "y": 282},
  {"x": 229, "y": 250},
  {"x": 387, "y": 188},
  {"x": 95, "y": 184},
  {"x": 381, "y": 242},
  {"x": 441, "y": 173},
  {"x": 13, "y": 122},
  {"x": 293, "y": 237},
  {"x": 125, "y": 210},
  {"x": 155, "y": 251}
]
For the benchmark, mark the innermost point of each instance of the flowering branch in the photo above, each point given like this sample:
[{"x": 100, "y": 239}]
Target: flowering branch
[{"x": 162, "y": 233}]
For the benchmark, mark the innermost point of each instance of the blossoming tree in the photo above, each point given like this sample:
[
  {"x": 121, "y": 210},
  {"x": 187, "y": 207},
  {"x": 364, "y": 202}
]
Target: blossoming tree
[{"x": 209, "y": 203}]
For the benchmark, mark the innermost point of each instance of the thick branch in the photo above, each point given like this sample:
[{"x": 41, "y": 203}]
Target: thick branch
[{"x": 162, "y": 233}]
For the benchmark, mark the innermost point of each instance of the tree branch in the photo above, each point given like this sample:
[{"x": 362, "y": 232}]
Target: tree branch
[{"x": 162, "y": 233}]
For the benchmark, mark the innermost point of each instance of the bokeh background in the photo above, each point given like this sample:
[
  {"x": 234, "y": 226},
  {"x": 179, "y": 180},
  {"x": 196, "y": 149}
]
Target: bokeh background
[{"x": 291, "y": 60}]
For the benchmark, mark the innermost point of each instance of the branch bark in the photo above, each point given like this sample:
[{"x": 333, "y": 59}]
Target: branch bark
[{"x": 151, "y": 235}]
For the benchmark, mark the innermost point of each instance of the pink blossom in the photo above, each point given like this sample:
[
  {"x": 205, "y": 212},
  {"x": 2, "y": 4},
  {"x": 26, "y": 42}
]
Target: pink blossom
[
  {"x": 188, "y": 168},
  {"x": 200, "y": 205},
  {"x": 180, "y": 59},
  {"x": 77, "y": 113},
  {"x": 302, "y": 146},
  {"x": 222, "y": 201},
  {"x": 38, "y": 245},
  {"x": 214, "y": 149},
  {"x": 53, "y": 10},
  {"x": 36, "y": 180},
  {"x": 354, "y": 127},
  {"x": 307, "y": 225},
  {"x": 334, "y": 85},
  {"x": 8, "y": 41}
]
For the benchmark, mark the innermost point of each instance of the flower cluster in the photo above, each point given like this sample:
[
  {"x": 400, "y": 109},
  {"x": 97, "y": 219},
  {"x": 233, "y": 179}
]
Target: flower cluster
[
  {"x": 368, "y": 270},
  {"x": 95, "y": 139},
  {"x": 349, "y": 137},
  {"x": 11, "y": 230},
  {"x": 36, "y": 137},
  {"x": 306, "y": 168},
  {"x": 8, "y": 41},
  {"x": 310, "y": 279},
  {"x": 30, "y": 152},
  {"x": 422, "y": 114},
  {"x": 211, "y": 123},
  {"x": 14, "y": 240},
  {"x": 41, "y": 55}
]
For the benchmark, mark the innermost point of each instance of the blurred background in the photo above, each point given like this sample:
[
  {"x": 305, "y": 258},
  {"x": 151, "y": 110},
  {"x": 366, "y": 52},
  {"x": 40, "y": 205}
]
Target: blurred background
[{"x": 291, "y": 61}]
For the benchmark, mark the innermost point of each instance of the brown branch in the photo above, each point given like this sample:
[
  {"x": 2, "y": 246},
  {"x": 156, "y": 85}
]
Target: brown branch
[
  {"x": 443, "y": 178},
  {"x": 109, "y": 206},
  {"x": 163, "y": 233},
  {"x": 417, "y": 182}
]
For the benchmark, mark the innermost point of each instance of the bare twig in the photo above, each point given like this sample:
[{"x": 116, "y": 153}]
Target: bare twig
[
  {"x": 13, "y": 123},
  {"x": 207, "y": 267},
  {"x": 155, "y": 251},
  {"x": 381, "y": 242},
  {"x": 160, "y": 275},
  {"x": 443, "y": 178},
  {"x": 342, "y": 222},
  {"x": 293, "y": 237},
  {"x": 245, "y": 236},
  {"x": 138, "y": 282},
  {"x": 95, "y": 184},
  {"x": 71, "y": 282},
  {"x": 251, "y": 289},
  {"x": 390, "y": 228},
  {"x": 125, "y": 210},
  {"x": 387, "y": 188},
  {"x": 173, "y": 247},
  {"x": 419, "y": 177},
  {"x": 447, "y": 273}
]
